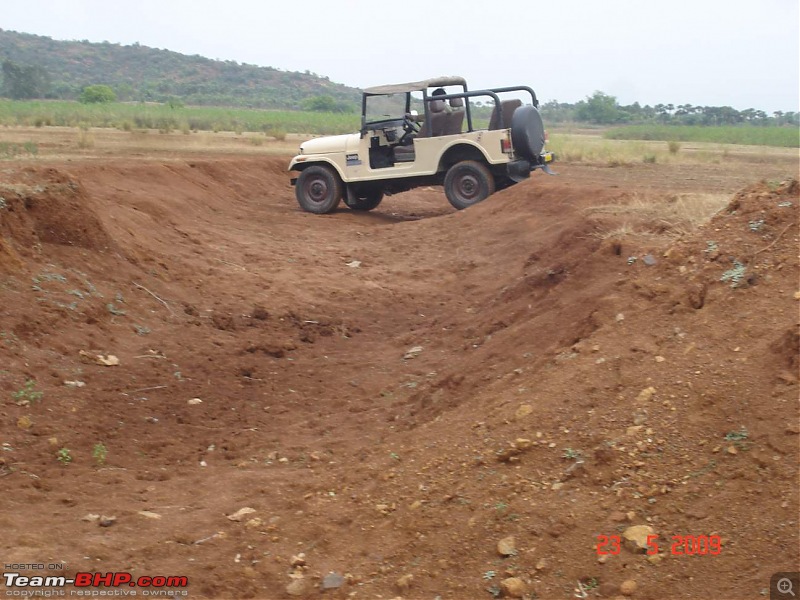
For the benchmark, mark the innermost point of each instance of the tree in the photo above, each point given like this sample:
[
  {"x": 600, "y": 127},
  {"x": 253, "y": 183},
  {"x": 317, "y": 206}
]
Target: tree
[
  {"x": 320, "y": 104},
  {"x": 24, "y": 82},
  {"x": 97, "y": 94},
  {"x": 600, "y": 108}
]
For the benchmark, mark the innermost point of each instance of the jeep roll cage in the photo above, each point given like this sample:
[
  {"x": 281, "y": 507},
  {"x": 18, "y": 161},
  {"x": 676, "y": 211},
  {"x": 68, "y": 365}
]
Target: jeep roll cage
[{"x": 439, "y": 82}]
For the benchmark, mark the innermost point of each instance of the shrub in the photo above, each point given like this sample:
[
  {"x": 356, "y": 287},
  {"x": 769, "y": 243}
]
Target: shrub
[{"x": 97, "y": 94}]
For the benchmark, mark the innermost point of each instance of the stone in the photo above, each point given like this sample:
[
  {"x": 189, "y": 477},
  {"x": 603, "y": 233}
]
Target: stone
[
  {"x": 194, "y": 401},
  {"x": 636, "y": 537},
  {"x": 541, "y": 565},
  {"x": 332, "y": 581},
  {"x": 404, "y": 583},
  {"x": 298, "y": 587},
  {"x": 239, "y": 514},
  {"x": 149, "y": 514},
  {"x": 628, "y": 587},
  {"x": 507, "y": 546},
  {"x": 523, "y": 411},
  {"x": 646, "y": 394},
  {"x": 513, "y": 587}
]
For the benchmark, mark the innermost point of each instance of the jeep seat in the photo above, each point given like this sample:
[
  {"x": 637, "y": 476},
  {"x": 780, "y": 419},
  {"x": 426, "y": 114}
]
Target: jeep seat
[
  {"x": 455, "y": 118},
  {"x": 507, "y": 107},
  {"x": 438, "y": 119}
]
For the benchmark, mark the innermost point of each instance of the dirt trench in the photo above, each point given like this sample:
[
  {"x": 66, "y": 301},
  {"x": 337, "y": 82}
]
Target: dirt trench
[{"x": 393, "y": 393}]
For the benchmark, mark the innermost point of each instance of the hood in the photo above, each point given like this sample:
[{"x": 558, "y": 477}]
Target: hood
[{"x": 326, "y": 145}]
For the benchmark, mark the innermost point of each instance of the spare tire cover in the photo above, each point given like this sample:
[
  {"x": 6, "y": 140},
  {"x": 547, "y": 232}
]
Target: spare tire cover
[{"x": 527, "y": 132}]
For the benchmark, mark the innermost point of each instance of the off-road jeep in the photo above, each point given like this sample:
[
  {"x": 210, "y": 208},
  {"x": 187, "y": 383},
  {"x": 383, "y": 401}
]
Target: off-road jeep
[{"x": 399, "y": 148}]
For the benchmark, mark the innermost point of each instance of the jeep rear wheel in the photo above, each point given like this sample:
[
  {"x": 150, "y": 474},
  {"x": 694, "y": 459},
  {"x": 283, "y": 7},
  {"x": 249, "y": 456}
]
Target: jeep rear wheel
[
  {"x": 318, "y": 189},
  {"x": 363, "y": 197},
  {"x": 467, "y": 183}
]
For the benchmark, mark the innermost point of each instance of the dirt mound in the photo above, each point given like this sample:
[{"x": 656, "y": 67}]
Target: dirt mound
[
  {"x": 394, "y": 393},
  {"x": 47, "y": 207}
]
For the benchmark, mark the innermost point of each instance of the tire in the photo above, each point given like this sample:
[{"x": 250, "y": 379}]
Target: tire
[
  {"x": 363, "y": 197},
  {"x": 318, "y": 189},
  {"x": 527, "y": 132},
  {"x": 468, "y": 182}
]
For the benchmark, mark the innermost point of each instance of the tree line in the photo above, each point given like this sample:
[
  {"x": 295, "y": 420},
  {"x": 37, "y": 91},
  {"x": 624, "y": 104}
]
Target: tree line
[{"x": 603, "y": 109}]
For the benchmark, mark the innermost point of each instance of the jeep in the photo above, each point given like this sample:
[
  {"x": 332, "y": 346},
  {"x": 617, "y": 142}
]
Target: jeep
[{"x": 400, "y": 148}]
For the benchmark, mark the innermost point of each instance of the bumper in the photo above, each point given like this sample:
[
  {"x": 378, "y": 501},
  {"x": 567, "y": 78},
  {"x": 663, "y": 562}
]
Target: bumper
[{"x": 522, "y": 168}]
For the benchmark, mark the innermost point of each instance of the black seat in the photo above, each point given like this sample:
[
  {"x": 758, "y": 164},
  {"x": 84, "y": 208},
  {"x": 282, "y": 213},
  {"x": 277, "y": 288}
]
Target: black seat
[{"x": 507, "y": 107}]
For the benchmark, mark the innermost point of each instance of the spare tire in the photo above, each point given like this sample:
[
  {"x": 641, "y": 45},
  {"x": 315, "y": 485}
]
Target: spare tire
[{"x": 527, "y": 132}]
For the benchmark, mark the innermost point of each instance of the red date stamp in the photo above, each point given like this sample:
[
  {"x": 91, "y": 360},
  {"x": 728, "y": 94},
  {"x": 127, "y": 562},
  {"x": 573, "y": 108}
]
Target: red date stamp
[{"x": 681, "y": 545}]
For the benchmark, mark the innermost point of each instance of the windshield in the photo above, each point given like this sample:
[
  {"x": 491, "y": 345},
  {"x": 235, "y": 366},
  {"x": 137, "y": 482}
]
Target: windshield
[{"x": 381, "y": 108}]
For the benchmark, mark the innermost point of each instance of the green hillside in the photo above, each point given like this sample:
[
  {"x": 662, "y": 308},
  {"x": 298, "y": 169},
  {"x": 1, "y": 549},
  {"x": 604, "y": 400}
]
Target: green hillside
[{"x": 139, "y": 73}]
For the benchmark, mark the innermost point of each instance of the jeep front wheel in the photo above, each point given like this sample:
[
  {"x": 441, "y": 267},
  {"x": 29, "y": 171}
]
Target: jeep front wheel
[
  {"x": 467, "y": 183},
  {"x": 318, "y": 189}
]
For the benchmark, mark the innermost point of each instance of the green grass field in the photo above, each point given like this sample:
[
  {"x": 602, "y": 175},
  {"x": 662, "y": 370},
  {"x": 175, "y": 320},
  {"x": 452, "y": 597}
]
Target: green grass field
[
  {"x": 164, "y": 118},
  {"x": 784, "y": 137}
]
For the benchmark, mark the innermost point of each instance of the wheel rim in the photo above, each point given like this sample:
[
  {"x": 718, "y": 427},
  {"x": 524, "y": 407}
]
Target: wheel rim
[
  {"x": 468, "y": 187},
  {"x": 316, "y": 190}
]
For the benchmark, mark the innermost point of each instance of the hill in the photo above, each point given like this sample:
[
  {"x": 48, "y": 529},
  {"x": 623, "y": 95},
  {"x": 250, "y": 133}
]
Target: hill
[{"x": 138, "y": 72}]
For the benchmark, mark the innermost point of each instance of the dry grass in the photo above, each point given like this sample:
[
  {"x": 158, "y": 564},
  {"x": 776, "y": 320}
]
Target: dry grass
[
  {"x": 593, "y": 149},
  {"x": 669, "y": 216}
]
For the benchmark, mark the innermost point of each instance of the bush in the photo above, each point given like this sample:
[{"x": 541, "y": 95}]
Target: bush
[{"x": 97, "y": 94}]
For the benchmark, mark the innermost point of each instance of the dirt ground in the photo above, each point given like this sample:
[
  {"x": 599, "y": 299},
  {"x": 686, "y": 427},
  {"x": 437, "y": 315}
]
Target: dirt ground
[{"x": 395, "y": 394}]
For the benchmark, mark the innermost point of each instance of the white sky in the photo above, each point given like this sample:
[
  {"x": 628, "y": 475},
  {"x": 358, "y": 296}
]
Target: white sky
[{"x": 741, "y": 53}]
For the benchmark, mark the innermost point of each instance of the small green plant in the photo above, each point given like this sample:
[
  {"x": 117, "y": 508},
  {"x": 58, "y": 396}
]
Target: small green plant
[
  {"x": 489, "y": 575},
  {"x": 737, "y": 436},
  {"x": 734, "y": 275},
  {"x": 394, "y": 455},
  {"x": 27, "y": 394},
  {"x": 114, "y": 310},
  {"x": 590, "y": 584},
  {"x": 500, "y": 506},
  {"x": 64, "y": 456},
  {"x": 571, "y": 454},
  {"x": 99, "y": 453},
  {"x": 711, "y": 247}
]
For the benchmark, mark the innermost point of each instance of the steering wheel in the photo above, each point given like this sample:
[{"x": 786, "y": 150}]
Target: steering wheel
[{"x": 409, "y": 125}]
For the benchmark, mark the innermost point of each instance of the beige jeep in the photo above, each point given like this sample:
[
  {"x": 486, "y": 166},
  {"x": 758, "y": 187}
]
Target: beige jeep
[{"x": 400, "y": 147}]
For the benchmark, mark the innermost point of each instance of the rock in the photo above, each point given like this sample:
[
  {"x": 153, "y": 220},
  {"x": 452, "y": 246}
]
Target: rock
[
  {"x": 404, "y": 583},
  {"x": 541, "y": 565},
  {"x": 413, "y": 352},
  {"x": 106, "y": 521},
  {"x": 194, "y": 401},
  {"x": 513, "y": 587},
  {"x": 149, "y": 515},
  {"x": 239, "y": 514},
  {"x": 91, "y": 517},
  {"x": 628, "y": 587},
  {"x": 253, "y": 523},
  {"x": 649, "y": 260},
  {"x": 523, "y": 411},
  {"x": 298, "y": 587},
  {"x": 646, "y": 394},
  {"x": 507, "y": 546},
  {"x": 636, "y": 537},
  {"x": 24, "y": 422},
  {"x": 78, "y": 384},
  {"x": 332, "y": 581},
  {"x": 298, "y": 560},
  {"x": 660, "y": 359},
  {"x": 354, "y": 264}
]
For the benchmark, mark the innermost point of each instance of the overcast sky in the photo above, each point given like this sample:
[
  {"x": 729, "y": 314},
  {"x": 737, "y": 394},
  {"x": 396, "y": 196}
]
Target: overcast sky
[{"x": 741, "y": 53}]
